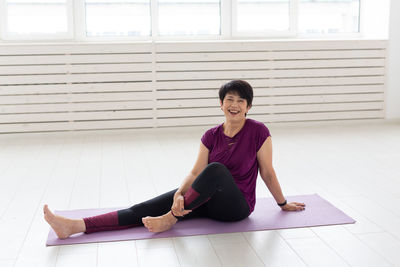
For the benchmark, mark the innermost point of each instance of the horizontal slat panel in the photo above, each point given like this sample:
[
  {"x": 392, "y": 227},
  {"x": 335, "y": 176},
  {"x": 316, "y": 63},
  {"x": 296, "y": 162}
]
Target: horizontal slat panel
[
  {"x": 347, "y": 115},
  {"x": 318, "y": 107},
  {"x": 216, "y": 111},
  {"x": 292, "y": 80},
  {"x": 32, "y": 60},
  {"x": 284, "y": 55},
  {"x": 76, "y": 116},
  {"x": 269, "y": 64},
  {"x": 81, "y": 125},
  {"x": 49, "y": 69},
  {"x": 273, "y": 82},
  {"x": 212, "y": 102},
  {"x": 75, "y": 78},
  {"x": 162, "y": 47},
  {"x": 190, "y": 121},
  {"x": 99, "y": 48},
  {"x": 275, "y": 91},
  {"x": 337, "y": 89},
  {"x": 76, "y": 107},
  {"x": 108, "y": 58},
  {"x": 37, "y": 69},
  {"x": 74, "y": 88},
  {"x": 109, "y": 77},
  {"x": 318, "y": 99},
  {"x": 182, "y": 93},
  {"x": 125, "y": 67},
  {"x": 33, "y": 79},
  {"x": 74, "y": 59},
  {"x": 246, "y": 74},
  {"x": 64, "y": 98}
]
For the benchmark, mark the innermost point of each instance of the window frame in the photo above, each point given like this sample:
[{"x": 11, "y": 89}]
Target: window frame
[
  {"x": 77, "y": 27},
  {"x": 154, "y": 28}
]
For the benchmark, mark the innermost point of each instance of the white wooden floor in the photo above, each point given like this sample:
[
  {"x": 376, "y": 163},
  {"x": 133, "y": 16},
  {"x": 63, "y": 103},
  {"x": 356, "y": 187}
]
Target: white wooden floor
[{"x": 354, "y": 166}]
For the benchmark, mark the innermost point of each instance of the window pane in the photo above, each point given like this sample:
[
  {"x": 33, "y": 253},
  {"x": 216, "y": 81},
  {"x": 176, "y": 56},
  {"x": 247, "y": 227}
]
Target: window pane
[
  {"x": 324, "y": 17},
  {"x": 262, "y": 15},
  {"x": 189, "y": 17},
  {"x": 37, "y": 17},
  {"x": 118, "y": 18}
]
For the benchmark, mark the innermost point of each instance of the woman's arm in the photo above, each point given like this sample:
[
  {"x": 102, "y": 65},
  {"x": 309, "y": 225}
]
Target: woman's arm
[
  {"x": 199, "y": 166},
  {"x": 267, "y": 172}
]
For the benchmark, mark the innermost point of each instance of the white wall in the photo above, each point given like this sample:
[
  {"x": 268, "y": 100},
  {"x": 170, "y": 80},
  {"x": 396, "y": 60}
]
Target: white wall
[
  {"x": 393, "y": 83},
  {"x": 375, "y": 18}
]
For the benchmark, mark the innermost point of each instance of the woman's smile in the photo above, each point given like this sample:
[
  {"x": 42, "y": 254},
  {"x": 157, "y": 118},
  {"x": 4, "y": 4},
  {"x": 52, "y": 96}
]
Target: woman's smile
[{"x": 233, "y": 112}]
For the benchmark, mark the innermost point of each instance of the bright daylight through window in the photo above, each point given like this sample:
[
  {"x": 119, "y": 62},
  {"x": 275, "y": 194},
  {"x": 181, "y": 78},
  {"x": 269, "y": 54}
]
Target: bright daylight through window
[
  {"x": 117, "y": 18},
  {"x": 144, "y": 19},
  {"x": 325, "y": 17},
  {"x": 36, "y": 17},
  {"x": 189, "y": 17},
  {"x": 262, "y": 15}
]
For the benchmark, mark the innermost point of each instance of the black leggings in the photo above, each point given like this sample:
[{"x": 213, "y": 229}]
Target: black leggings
[{"x": 214, "y": 194}]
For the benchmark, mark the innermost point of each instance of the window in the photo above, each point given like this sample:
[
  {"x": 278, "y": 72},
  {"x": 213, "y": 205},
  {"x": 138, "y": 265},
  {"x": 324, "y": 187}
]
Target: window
[
  {"x": 329, "y": 16},
  {"x": 36, "y": 18},
  {"x": 262, "y": 16},
  {"x": 189, "y": 17},
  {"x": 117, "y": 18}
]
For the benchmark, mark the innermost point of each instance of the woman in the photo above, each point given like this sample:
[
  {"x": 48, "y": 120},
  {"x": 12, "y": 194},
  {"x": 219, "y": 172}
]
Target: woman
[{"x": 221, "y": 185}]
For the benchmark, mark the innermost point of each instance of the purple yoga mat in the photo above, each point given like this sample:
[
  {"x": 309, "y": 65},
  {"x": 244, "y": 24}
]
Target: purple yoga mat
[{"x": 266, "y": 216}]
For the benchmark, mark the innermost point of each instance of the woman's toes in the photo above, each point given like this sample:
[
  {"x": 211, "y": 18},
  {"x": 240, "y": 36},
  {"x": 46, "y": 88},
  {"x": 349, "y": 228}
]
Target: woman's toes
[
  {"x": 45, "y": 209},
  {"x": 146, "y": 223}
]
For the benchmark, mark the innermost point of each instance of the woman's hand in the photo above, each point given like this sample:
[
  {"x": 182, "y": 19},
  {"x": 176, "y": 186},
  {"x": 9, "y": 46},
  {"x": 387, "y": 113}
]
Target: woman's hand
[
  {"x": 294, "y": 206},
  {"x": 178, "y": 207}
]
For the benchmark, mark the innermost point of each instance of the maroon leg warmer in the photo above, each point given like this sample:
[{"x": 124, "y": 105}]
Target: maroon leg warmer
[
  {"x": 103, "y": 222},
  {"x": 192, "y": 199}
]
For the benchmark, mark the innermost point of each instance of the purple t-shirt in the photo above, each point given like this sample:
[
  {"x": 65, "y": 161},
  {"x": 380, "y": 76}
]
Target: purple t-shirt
[{"x": 238, "y": 154}]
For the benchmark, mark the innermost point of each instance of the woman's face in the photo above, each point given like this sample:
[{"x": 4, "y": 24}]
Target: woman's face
[{"x": 234, "y": 107}]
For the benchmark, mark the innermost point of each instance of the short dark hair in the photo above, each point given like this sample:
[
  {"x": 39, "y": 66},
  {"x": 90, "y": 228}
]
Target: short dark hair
[{"x": 240, "y": 87}]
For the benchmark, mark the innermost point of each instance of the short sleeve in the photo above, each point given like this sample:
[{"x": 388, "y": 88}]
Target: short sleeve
[
  {"x": 261, "y": 136},
  {"x": 208, "y": 139}
]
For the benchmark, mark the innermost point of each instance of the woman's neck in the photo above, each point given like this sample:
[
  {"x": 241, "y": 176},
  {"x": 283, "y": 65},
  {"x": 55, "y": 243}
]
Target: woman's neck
[{"x": 232, "y": 128}]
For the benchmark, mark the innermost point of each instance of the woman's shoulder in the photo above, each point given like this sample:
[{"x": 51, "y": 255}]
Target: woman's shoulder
[
  {"x": 256, "y": 124},
  {"x": 213, "y": 130},
  {"x": 209, "y": 137}
]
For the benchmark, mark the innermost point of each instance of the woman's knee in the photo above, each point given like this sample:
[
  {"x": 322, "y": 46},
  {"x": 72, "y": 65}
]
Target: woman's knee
[
  {"x": 217, "y": 169},
  {"x": 214, "y": 175}
]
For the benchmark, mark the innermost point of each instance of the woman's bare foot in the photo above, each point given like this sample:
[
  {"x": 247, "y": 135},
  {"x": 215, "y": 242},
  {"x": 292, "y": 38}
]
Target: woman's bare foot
[
  {"x": 160, "y": 223},
  {"x": 63, "y": 227}
]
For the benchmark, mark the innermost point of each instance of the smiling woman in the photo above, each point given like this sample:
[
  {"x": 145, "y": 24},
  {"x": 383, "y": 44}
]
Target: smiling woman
[
  {"x": 221, "y": 185},
  {"x": 238, "y": 96}
]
